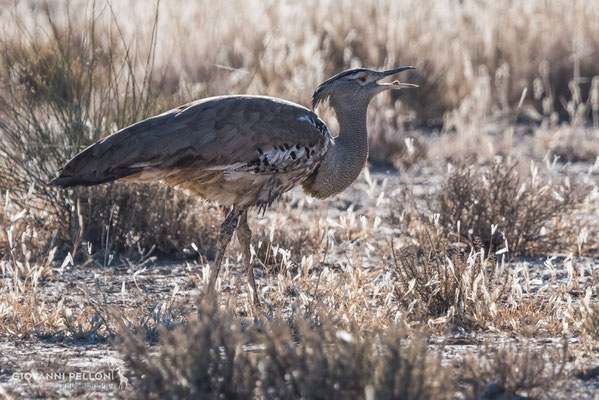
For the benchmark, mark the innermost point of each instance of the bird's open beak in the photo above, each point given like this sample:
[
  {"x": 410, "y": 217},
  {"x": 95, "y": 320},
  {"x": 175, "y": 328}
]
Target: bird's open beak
[{"x": 395, "y": 84}]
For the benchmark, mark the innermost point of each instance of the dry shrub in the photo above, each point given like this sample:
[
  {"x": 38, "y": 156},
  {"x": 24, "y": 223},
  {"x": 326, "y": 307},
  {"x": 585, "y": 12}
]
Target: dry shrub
[
  {"x": 134, "y": 219},
  {"x": 213, "y": 357},
  {"x": 322, "y": 365},
  {"x": 509, "y": 373},
  {"x": 203, "y": 359},
  {"x": 448, "y": 284},
  {"x": 502, "y": 208},
  {"x": 65, "y": 89},
  {"x": 418, "y": 272},
  {"x": 325, "y": 362}
]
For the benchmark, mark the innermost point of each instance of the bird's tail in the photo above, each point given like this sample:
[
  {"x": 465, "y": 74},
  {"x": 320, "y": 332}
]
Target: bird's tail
[
  {"x": 67, "y": 181},
  {"x": 86, "y": 169}
]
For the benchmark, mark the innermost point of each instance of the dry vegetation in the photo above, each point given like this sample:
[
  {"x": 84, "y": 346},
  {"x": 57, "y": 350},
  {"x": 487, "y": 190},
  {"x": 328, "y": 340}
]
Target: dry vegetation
[
  {"x": 282, "y": 359},
  {"x": 503, "y": 209},
  {"x": 471, "y": 273}
]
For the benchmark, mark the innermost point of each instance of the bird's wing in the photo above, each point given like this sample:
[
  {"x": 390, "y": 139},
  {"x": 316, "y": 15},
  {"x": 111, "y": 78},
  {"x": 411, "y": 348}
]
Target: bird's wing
[{"x": 257, "y": 134}]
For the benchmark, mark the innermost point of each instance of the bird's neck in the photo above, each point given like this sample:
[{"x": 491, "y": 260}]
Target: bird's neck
[{"x": 344, "y": 159}]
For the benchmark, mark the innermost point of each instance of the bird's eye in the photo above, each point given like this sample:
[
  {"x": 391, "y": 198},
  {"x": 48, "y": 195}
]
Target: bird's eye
[{"x": 362, "y": 78}]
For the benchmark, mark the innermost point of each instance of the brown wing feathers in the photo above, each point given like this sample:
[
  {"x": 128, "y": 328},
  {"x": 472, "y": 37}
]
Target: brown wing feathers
[
  {"x": 203, "y": 134},
  {"x": 122, "y": 154}
]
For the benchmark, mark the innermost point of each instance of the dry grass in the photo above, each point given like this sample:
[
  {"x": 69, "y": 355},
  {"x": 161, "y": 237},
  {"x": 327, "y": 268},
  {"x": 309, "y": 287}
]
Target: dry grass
[
  {"x": 505, "y": 208},
  {"x": 513, "y": 372},
  {"x": 591, "y": 320},
  {"x": 136, "y": 220},
  {"x": 346, "y": 291},
  {"x": 572, "y": 143},
  {"x": 73, "y": 77},
  {"x": 503, "y": 44},
  {"x": 315, "y": 306},
  {"x": 213, "y": 356},
  {"x": 473, "y": 290}
]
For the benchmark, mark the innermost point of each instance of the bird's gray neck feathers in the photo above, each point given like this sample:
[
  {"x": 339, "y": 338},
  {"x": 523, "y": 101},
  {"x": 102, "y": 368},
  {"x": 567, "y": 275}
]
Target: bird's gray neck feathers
[{"x": 344, "y": 160}]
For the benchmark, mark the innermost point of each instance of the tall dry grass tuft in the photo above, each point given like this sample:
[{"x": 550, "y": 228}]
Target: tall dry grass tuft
[
  {"x": 201, "y": 359},
  {"x": 443, "y": 286},
  {"x": 26, "y": 269},
  {"x": 591, "y": 319}
]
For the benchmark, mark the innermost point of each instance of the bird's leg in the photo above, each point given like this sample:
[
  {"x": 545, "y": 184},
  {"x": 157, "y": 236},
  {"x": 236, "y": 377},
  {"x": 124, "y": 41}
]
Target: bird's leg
[
  {"x": 226, "y": 233},
  {"x": 244, "y": 234}
]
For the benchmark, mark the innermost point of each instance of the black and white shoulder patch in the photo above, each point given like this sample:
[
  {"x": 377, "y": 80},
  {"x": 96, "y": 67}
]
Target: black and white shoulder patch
[{"x": 317, "y": 123}]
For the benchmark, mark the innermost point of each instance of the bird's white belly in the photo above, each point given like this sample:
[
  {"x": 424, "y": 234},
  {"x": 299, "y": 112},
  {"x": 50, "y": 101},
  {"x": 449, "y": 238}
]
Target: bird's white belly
[{"x": 231, "y": 187}]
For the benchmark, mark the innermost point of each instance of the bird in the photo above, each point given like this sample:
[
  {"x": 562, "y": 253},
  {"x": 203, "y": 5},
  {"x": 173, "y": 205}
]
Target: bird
[{"x": 242, "y": 151}]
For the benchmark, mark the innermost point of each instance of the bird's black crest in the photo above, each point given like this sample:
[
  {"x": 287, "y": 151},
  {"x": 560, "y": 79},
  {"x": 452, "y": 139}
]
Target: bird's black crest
[{"x": 321, "y": 94}]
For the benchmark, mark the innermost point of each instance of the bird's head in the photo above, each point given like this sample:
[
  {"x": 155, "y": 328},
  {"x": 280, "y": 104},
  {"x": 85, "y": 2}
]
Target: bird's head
[{"x": 356, "y": 87}]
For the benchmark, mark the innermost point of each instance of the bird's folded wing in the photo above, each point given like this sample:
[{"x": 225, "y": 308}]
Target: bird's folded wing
[{"x": 230, "y": 132}]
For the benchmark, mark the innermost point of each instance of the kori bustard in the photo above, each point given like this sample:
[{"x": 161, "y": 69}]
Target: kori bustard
[{"x": 242, "y": 151}]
